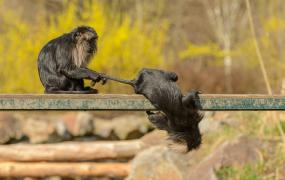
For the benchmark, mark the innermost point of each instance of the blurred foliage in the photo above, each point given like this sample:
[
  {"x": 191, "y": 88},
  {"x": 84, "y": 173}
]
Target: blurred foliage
[
  {"x": 246, "y": 173},
  {"x": 269, "y": 24},
  {"x": 209, "y": 49},
  {"x": 124, "y": 46},
  {"x": 133, "y": 34}
]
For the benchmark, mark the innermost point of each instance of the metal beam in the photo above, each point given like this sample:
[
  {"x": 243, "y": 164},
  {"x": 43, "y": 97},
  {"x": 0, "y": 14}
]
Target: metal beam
[{"x": 208, "y": 102}]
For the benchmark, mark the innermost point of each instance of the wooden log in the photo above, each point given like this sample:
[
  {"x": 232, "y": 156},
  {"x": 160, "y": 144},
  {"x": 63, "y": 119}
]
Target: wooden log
[
  {"x": 14, "y": 169},
  {"x": 70, "y": 151}
]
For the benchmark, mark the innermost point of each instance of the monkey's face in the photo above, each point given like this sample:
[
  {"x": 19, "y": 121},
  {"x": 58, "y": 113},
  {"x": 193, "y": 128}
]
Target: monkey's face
[{"x": 87, "y": 38}]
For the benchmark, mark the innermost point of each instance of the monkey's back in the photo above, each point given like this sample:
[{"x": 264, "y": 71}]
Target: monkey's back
[
  {"x": 49, "y": 60},
  {"x": 163, "y": 93}
]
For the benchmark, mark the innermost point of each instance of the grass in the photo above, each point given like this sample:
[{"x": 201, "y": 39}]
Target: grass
[
  {"x": 255, "y": 124},
  {"x": 245, "y": 173}
]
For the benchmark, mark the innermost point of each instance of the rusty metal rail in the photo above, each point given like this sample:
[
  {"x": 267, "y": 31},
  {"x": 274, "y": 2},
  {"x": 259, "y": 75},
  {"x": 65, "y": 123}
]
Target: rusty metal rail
[{"x": 207, "y": 102}]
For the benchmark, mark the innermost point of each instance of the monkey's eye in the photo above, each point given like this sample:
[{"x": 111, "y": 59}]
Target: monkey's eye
[
  {"x": 76, "y": 35},
  {"x": 93, "y": 39}
]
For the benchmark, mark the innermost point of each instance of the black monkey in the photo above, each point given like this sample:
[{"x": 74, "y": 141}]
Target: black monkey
[
  {"x": 178, "y": 114},
  {"x": 62, "y": 62}
]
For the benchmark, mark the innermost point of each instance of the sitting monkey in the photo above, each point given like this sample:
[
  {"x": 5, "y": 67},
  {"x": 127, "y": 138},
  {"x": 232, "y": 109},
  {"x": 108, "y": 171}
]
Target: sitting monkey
[{"x": 62, "y": 62}]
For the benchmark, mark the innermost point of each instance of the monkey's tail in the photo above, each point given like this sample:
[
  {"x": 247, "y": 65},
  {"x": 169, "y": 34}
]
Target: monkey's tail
[{"x": 129, "y": 82}]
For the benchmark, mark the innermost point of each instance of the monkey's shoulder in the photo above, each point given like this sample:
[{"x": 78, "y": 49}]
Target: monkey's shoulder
[
  {"x": 63, "y": 42},
  {"x": 64, "y": 39}
]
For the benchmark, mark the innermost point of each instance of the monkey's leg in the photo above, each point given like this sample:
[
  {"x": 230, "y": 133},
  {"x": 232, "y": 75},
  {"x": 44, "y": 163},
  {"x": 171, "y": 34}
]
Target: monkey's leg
[
  {"x": 159, "y": 119},
  {"x": 91, "y": 90},
  {"x": 189, "y": 99},
  {"x": 78, "y": 85},
  {"x": 71, "y": 92},
  {"x": 53, "y": 90}
]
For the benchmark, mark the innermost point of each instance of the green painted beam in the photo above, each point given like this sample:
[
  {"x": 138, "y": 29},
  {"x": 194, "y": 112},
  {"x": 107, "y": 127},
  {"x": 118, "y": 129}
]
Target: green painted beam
[{"x": 208, "y": 102}]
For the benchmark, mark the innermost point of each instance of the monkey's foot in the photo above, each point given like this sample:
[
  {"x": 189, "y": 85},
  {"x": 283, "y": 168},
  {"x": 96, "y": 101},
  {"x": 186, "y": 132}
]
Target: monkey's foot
[
  {"x": 93, "y": 91},
  {"x": 103, "y": 78},
  {"x": 90, "y": 90},
  {"x": 194, "y": 93},
  {"x": 190, "y": 99}
]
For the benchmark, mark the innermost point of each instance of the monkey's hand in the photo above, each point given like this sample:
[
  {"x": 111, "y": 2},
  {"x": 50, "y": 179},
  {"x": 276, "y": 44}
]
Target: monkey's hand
[
  {"x": 159, "y": 119},
  {"x": 103, "y": 78},
  {"x": 190, "y": 99},
  {"x": 98, "y": 78}
]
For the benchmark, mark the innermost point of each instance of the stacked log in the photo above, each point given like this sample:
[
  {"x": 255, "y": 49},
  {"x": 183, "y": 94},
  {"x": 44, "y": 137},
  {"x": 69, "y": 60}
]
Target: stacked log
[
  {"x": 42, "y": 169},
  {"x": 66, "y": 159}
]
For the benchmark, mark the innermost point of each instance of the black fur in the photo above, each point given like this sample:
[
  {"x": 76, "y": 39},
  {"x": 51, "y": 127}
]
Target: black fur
[
  {"x": 178, "y": 115},
  {"x": 62, "y": 67}
]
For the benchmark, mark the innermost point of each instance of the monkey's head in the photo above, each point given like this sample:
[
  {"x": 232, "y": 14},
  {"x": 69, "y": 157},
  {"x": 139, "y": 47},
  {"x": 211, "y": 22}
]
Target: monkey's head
[
  {"x": 85, "y": 45},
  {"x": 86, "y": 37}
]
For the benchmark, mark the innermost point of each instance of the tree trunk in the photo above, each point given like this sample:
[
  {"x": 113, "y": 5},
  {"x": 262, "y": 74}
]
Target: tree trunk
[{"x": 228, "y": 63}]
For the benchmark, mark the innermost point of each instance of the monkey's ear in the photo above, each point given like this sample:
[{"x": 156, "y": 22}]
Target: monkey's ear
[{"x": 173, "y": 76}]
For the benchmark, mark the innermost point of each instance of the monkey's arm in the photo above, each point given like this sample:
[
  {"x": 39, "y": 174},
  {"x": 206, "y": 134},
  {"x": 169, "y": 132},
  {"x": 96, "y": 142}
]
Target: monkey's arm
[
  {"x": 80, "y": 73},
  {"x": 159, "y": 119},
  {"x": 66, "y": 67}
]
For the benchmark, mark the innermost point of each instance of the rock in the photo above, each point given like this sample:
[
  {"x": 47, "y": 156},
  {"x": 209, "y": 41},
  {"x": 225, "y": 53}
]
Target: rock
[
  {"x": 130, "y": 126},
  {"x": 10, "y": 128},
  {"x": 158, "y": 163},
  {"x": 123, "y": 127},
  {"x": 243, "y": 150},
  {"x": 213, "y": 123},
  {"x": 154, "y": 138},
  {"x": 103, "y": 128},
  {"x": 42, "y": 127},
  {"x": 53, "y": 178},
  {"x": 28, "y": 178},
  {"x": 78, "y": 124},
  {"x": 45, "y": 178},
  {"x": 208, "y": 124},
  {"x": 39, "y": 129},
  {"x": 61, "y": 130}
]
